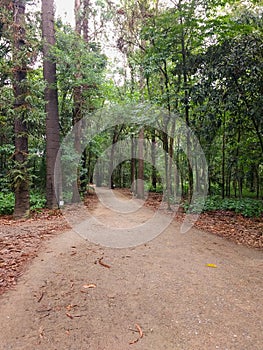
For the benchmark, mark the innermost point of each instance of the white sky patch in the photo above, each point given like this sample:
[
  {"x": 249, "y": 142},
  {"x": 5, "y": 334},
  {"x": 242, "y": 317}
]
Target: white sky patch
[{"x": 65, "y": 10}]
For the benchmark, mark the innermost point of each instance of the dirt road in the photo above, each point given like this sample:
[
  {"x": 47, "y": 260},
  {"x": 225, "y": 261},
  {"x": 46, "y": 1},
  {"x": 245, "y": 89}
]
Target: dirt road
[{"x": 179, "y": 291}]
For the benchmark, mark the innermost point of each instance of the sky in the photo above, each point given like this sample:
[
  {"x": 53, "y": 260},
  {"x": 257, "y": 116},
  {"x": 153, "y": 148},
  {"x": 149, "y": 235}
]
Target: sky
[{"x": 65, "y": 9}]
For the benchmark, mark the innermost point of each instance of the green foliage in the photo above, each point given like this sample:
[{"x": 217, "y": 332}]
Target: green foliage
[
  {"x": 80, "y": 65},
  {"x": 37, "y": 200},
  {"x": 201, "y": 56},
  {"x": 158, "y": 189},
  {"x": 7, "y": 203},
  {"x": 247, "y": 207}
]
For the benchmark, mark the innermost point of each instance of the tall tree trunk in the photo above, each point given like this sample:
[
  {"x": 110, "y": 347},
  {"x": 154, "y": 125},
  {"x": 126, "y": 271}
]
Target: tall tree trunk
[
  {"x": 257, "y": 178},
  {"x": 186, "y": 108},
  {"x": 239, "y": 171},
  {"x": 86, "y": 9},
  {"x": 77, "y": 109},
  {"x": 81, "y": 9},
  {"x": 165, "y": 135},
  {"x": 51, "y": 98},
  {"x": 153, "y": 156},
  {"x": 171, "y": 156},
  {"x": 140, "y": 180},
  {"x": 177, "y": 170},
  {"x": 223, "y": 156},
  {"x": 133, "y": 164},
  {"x": 20, "y": 126},
  {"x": 115, "y": 137},
  {"x": 166, "y": 159}
]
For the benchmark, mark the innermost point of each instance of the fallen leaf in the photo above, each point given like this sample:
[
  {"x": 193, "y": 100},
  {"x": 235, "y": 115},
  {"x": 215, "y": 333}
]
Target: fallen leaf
[
  {"x": 211, "y": 265},
  {"x": 41, "y": 332},
  {"x": 70, "y": 307},
  {"x": 103, "y": 264},
  {"x": 134, "y": 341},
  {"x": 139, "y": 330},
  {"x": 92, "y": 285}
]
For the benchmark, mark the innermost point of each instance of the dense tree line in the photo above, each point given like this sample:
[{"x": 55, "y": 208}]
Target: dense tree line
[
  {"x": 201, "y": 62},
  {"x": 208, "y": 68}
]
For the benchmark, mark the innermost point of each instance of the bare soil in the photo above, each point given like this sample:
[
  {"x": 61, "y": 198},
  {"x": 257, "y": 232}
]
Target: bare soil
[{"x": 179, "y": 291}]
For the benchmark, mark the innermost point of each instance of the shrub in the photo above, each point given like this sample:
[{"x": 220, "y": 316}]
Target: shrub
[
  {"x": 247, "y": 207},
  {"x": 158, "y": 189},
  {"x": 7, "y": 203},
  {"x": 37, "y": 200}
]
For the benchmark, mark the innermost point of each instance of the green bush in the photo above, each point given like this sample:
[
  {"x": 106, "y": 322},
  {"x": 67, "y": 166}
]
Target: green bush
[
  {"x": 247, "y": 207},
  {"x": 158, "y": 189},
  {"x": 37, "y": 200},
  {"x": 7, "y": 203}
]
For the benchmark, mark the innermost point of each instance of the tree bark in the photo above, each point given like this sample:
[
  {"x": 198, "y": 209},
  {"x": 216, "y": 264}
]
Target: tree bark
[
  {"x": 133, "y": 164},
  {"x": 140, "y": 180},
  {"x": 223, "y": 156},
  {"x": 153, "y": 156},
  {"x": 51, "y": 98},
  {"x": 86, "y": 9},
  {"x": 81, "y": 10},
  {"x": 186, "y": 108},
  {"x": 20, "y": 126},
  {"x": 115, "y": 137}
]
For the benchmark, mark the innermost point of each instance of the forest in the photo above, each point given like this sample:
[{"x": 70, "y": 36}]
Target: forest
[{"x": 150, "y": 95}]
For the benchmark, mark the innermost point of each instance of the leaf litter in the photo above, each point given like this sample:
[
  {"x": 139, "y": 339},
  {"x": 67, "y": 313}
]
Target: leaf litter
[{"x": 139, "y": 330}]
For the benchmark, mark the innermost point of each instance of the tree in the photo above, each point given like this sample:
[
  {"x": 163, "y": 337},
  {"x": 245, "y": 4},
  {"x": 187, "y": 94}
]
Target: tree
[
  {"x": 77, "y": 108},
  {"x": 21, "y": 179},
  {"x": 140, "y": 183},
  {"x": 231, "y": 76},
  {"x": 51, "y": 98},
  {"x": 173, "y": 39}
]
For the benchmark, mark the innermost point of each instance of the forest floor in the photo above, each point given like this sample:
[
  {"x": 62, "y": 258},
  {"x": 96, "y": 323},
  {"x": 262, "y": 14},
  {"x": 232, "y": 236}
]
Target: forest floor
[{"x": 192, "y": 291}]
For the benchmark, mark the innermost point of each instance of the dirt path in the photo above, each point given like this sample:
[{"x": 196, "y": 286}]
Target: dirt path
[{"x": 80, "y": 295}]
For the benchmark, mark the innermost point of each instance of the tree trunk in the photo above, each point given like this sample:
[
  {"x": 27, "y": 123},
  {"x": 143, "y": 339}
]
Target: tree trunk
[
  {"x": 133, "y": 164},
  {"x": 20, "y": 127},
  {"x": 223, "y": 156},
  {"x": 166, "y": 138},
  {"x": 140, "y": 180},
  {"x": 51, "y": 98},
  {"x": 115, "y": 138},
  {"x": 153, "y": 156},
  {"x": 86, "y": 9},
  {"x": 77, "y": 109},
  {"x": 238, "y": 165},
  {"x": 167, "y": 178},
  {"x": 177, "y": 170},
  {"x": 186, "y": 109},
  {"x": 171, "y": 156},
  {"x": 81, "y": 10},
  {"x": 257, "y": 178}
]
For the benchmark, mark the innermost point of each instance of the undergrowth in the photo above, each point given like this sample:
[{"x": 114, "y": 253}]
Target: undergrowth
[
  {"x": 7, "y": 202},
  {"x": 245, "y": 206}
]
